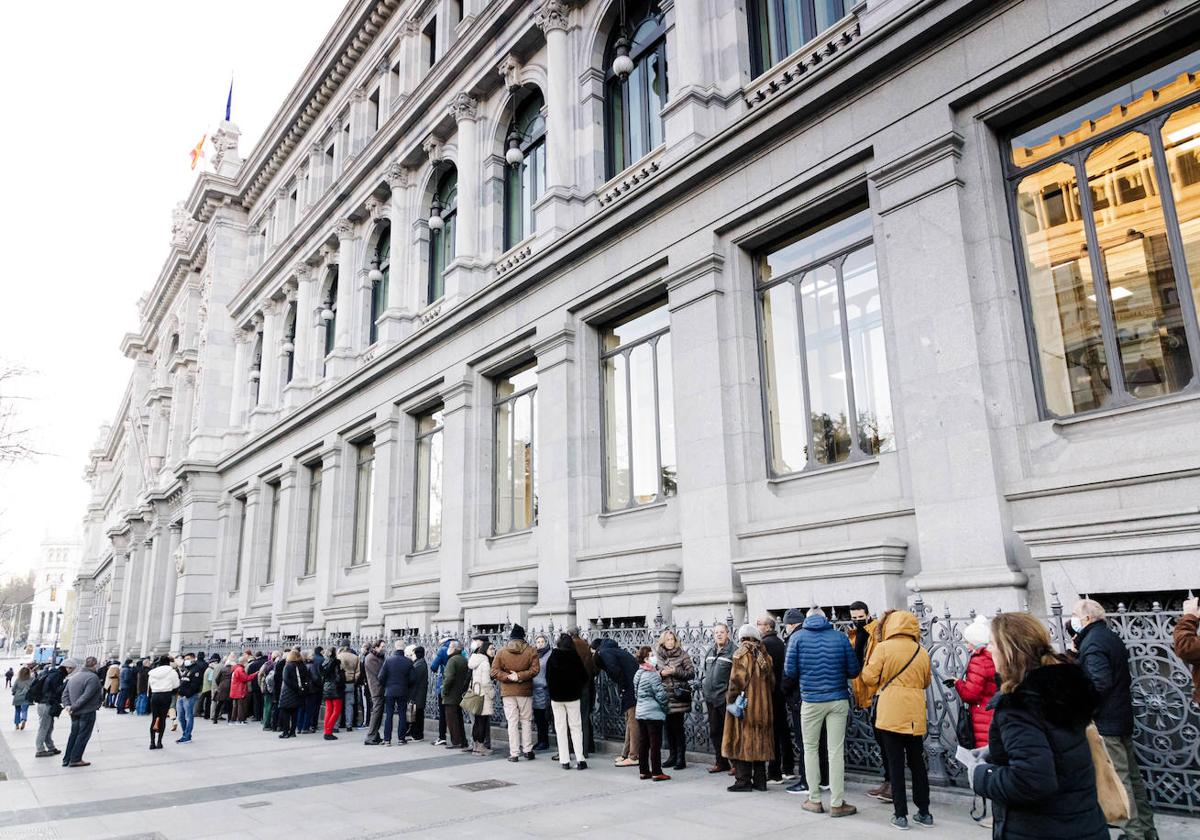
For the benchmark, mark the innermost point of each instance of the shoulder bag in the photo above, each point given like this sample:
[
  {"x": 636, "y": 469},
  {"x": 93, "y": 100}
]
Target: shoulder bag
[
  {"x": 1110, "y": 790},
  {"x": 875, "y": 699}
]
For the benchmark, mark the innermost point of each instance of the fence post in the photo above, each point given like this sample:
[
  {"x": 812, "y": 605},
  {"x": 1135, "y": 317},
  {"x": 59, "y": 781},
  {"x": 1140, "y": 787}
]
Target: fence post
[{"x": 1056, "y": 613}]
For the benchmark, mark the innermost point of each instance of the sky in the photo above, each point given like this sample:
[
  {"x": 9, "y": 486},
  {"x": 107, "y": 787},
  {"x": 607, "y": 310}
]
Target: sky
[{"x": 104, "y": 102}]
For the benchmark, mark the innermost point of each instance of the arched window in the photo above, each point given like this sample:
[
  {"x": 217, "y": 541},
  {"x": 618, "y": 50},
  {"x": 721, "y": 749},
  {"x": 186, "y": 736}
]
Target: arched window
[
  {"x": 524, "y": 182},
  {"x": 381, "y": 261},
  {"x": 780, "y": 27},
  {"x": 441, "y": 240},
  {"x": 329, "y": 311},
  {"x": 289, "y": 343},
  {"x": 632, "y": 105}
]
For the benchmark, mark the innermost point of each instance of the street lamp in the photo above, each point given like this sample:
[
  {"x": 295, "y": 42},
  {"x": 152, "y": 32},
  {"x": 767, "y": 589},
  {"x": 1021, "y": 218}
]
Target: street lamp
[{"x": 57, "y": 631}]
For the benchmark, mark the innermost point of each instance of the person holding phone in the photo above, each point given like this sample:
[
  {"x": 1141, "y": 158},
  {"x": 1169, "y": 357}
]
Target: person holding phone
[{"x": 1187, "y": 643}]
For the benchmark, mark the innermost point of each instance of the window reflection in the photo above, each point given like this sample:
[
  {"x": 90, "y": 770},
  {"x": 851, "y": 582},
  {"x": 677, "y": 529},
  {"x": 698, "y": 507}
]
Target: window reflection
[
  {"x": 515, "y": 473},
  {"x": 428, "y": 519}
]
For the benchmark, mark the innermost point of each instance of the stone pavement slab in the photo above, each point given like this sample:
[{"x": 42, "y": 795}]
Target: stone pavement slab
[{"x": 241, "y": 781}]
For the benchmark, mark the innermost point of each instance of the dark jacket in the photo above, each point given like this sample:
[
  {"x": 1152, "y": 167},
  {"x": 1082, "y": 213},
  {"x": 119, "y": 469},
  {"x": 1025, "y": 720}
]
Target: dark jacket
[
  {"x": 777, "y": 650},
  {"x": 333, "y": 679},
  {"x": 456, "y": 676},
  {"x": 125, "y": 680},
  {"x": 717, "y": 662},
  {"x": 1105, "y": 660},
  {"x": 1039, "y": 774},
  {"x": 294, "y": 683},
  {"x": 223, "y": 684},
  {"x": 141, "y": 678},
  {"x": 190, "y": 679},
  {"x": 439, "y": 663},
  {"x": 566, "y": 676},
  {"x": 52, "y": 689},
  {"x": 620, "y": 666},
  {"x": 680, "y": 678},
  {"x": 822, "y": 659},
  {"x": 418, "y": 682},
  {"x": 395, "y": 675}
]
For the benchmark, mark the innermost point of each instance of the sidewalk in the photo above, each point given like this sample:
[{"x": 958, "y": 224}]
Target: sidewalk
[{"x": 241, "y": 780}]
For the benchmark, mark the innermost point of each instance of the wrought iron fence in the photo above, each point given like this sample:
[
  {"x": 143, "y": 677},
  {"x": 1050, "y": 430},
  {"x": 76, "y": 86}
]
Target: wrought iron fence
[{"x": 1167, "y": 736}]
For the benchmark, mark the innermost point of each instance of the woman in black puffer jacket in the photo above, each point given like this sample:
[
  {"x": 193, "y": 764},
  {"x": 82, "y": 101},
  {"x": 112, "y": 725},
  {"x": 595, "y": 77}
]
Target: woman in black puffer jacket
[{"x": 1038, "y": 771}]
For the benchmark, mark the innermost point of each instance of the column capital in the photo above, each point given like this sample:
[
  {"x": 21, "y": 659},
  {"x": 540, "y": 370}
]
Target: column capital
[
  {"x": 510, "y": 71},
  {"x": 397, "y": 176},
  {"x": 343, "y": 229},
  {"x": 464, "y": 108},
  {"x": 552, "y": 16},
  {"x": 302, "y": 271},
  {"x": 376, "y": 208}
]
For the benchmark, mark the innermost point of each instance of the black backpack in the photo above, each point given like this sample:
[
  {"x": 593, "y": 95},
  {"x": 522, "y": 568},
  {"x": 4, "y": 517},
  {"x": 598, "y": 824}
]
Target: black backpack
[{"x": 34, "y": 695}]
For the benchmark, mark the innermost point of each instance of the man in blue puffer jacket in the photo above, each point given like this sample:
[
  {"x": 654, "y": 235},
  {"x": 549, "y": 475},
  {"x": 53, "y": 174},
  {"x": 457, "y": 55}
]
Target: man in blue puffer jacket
[
  {"x": 438, "y": 666},
  {"x": 823, "y": 661}
]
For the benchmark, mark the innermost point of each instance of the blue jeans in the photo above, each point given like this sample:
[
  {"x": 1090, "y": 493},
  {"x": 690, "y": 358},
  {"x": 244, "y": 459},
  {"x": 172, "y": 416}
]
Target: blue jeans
[
  {"x": 185, "y": 708},
  {"x": 81, "y": 732},
  {"x": 20, "y": 715}
]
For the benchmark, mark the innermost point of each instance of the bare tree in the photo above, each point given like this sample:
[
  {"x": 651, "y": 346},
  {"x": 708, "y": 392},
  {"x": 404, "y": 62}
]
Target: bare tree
[
  {"x": 15, "y": 596},
  {"x": 15, "y": 437}
]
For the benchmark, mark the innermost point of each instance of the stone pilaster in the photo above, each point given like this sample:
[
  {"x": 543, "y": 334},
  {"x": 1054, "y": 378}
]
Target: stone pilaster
[
  {"x": 385, "y": 527},
  {"x": 341, "y": 360},
  {"x": 458, "y": 497},
  {"x": 333, "y": 489}
]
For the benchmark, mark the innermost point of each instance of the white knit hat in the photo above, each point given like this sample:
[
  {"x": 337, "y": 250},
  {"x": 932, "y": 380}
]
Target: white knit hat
[
  {"x": 749, "y": 631},
  {"x": 978, "y": 632}
]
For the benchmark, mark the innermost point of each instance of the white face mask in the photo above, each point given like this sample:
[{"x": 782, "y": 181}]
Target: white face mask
[
  {"x": 1077, "y": 624},
  {"x": 653, "y": 660}
]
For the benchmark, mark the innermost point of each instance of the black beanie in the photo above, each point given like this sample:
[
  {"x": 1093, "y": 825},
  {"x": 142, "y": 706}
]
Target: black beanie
[{"x": 518, "y": 632}]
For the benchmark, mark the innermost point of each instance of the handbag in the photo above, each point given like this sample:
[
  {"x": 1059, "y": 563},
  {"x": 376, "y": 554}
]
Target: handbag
[
  {"x": 472, "y": 702},
  {"x": 1110, "y": 791},
  {"x": 964, "y": 729},
  {"x": 682, "y": 694},
  {"x": 875, "y": 699},
  {"x": 410, "y": 712},
  {"x": 738, "y": 707}
]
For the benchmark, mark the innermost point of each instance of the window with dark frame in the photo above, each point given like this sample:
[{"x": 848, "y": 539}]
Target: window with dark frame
[
  {"x": 822, "y": 347},
  {"x": 430, "y": 36},
  {"x": 272, "y": 534},
  {"x": 780, "y": 27},
  {"x": 427, "y": 521},
  {"x": 364, "y": 493},
  {"x": 524, "y": 183},
  {"x": 441, "y": 242},
  {"x": 240, "y": 553},
  {"x": 638, "y": 409},
  {"x": 1111, "y": 272},
  {"x": 632, "y": 106},
  {"x": 313, "y": 526},
  {"x": 382, "y": 260},
  {"x": 514, "y": 421}
]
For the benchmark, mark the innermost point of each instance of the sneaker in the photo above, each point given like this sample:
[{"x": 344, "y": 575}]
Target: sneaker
[
  {"x": 900, "y": 823},
  {"x": 813, "y": 807},
  {"x": 374, "y": 742},
  {"x": 843, "y": 810},
  {"x": 514, "y": 758},
  {"x": 183, "y": 741},
  {"x": 581, "y": 765},
  {"x": 791, "y": 777},
  {"x": 776, "y": 781},
  {"x": 330, "y": 737},
  {"x": 529, "y": 756},
  {"x": 627, "y": 762},
  {"x": 924, "y": 819},
  {"x": 825, "y": 788},
  {"x": 566, "y": 766},
  {"x": 439, "y": 742},
  {"x": 798, "y": 787}
]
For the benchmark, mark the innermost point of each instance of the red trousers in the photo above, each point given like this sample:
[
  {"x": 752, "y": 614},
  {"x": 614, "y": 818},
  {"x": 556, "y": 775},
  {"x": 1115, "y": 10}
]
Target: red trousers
[{"x": 333, "y": 712}]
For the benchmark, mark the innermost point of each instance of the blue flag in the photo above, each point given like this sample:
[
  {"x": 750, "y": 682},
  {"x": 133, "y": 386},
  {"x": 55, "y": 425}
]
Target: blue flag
[{"x": 229, "y": 101}]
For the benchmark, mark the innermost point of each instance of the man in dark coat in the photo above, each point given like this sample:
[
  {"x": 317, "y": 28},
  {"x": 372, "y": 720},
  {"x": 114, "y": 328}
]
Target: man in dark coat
[
  {"x": 418, "y": 691},
  {"x": 1105, "y": 659},
  {"x": 784, "y": 761},
  {"x": 395, "y": 676},
  {"x": 456, "y": 677},
  {"x": 125, "y": 683},
  {"x": 718, "y": 660},
  {"x": 372, "y": 665},
  {"x": 620, "y": 666},
  {"x": 256, "y": 697}
]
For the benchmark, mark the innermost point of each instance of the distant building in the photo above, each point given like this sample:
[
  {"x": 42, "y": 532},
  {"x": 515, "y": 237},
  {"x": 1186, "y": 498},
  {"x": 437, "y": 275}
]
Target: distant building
[{"x": 53, "y": 592}]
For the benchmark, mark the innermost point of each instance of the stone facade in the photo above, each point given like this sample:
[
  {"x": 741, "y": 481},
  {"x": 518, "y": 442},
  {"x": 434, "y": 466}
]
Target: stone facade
[
  {"x": 264, "y": 473},
  {"x": 52, "y": 612}
]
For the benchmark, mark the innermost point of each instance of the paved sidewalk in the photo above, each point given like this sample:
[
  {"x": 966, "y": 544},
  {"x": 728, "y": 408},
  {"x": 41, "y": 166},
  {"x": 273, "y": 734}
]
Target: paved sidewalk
[{"x": 241, "y": 781}]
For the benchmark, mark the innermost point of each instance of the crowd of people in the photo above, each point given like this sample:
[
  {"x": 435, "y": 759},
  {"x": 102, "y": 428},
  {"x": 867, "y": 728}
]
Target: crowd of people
[{"x": 777, "y": 710}]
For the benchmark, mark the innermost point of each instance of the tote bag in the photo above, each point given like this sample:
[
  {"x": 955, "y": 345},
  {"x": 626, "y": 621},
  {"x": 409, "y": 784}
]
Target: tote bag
[{"x": 1114, "y": 801}]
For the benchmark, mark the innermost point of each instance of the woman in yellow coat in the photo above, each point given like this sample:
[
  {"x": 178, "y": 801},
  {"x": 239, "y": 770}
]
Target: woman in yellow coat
[{"x": 899, "y": 672}]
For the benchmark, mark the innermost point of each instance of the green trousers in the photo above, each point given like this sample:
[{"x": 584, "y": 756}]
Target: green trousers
[
  {"x": 832, "y": 714},
  {"x": 1140, "y": 825}
]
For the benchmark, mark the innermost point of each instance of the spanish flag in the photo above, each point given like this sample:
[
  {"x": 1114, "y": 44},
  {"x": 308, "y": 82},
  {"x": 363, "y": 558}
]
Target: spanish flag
[{"x": 198, "y": 152}]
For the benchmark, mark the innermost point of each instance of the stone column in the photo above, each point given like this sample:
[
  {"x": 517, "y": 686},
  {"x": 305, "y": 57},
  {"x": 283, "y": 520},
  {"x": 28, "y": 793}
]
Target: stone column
[
  {"x": 691, "y": 113},
  {"x": 305, "y": 354},
  {"x": 554, "y": 20},
  {"x": 290, "y": 541},
  {"x": 465, "y": 111},
  {"x": 158, "y": 548},
  {"x": 398, "y": 317},
  {"x": 245, "y": 583},
  {"x": 170, "y": 579},
  {"x": 131, "y": 597},
  {"x": 329, "y": 521},
  {"x": 458, "y": 506},
  {"x": 241, "y": 382},
  {"x": 385, "y": 525},
  {"x": 184, "y": 402},
  {"x": 341, "y": 361},
  {"x": 268, "y": 384},
  {"x": 557, "y": 472},
  {"x": 110, "y": 630},
  {"x": 706, "y": 442}
]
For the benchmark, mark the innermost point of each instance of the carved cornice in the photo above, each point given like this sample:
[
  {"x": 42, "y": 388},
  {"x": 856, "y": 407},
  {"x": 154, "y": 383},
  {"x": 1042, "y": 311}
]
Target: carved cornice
[{"x": 802, "y": 64}]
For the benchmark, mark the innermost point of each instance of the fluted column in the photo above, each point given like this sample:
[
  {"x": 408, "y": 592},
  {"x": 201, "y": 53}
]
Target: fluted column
[
  {"x": 341, "y": 361},
  {"x": 397, "y": 318},
  {"x": 465, "y": 111},
  {"x": 268, "y": 385},
  {"x": 553, "y": 18},
  {"x": 241, "y": 383},
  {"x": 170, "y": 578}
]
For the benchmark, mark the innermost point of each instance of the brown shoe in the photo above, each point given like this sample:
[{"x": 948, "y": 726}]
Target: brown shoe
[
  {"x": 885, "y": 792},
  {"x": 717, "y": 768},
  {"x": 662, "y": 777},
  {"x": 875, "y": 791},
  {"x": 843, "y": 810},
  {"x": 813, "y": 807},
  {"x": 80, "y": 764}
]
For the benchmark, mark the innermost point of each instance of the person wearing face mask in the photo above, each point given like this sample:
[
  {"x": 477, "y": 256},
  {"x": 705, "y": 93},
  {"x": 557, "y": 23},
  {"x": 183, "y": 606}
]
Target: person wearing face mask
[
  {"x": 1105, "y": 660},
  {"x": 191, "y": 677},
  {"x": 651, "y": 712},
  {"x": 541, "y": 697}
]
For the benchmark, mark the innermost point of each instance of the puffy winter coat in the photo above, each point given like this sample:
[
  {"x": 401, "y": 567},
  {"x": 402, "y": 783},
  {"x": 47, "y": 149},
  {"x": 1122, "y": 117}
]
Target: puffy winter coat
[
  {"x": 1105, "y": 659},
  {"x": 822, "y": 660},
  {"x": 681, "y": 677},
  {"x": 518, "y": 658},
  {"x": 291, "y": 693},
  {"x": 112, "y": 679},
  {"x": 224, "y": 683},
  {"x": 456, "y": 677},
  {"x": 1039, "y": 774},
  {"x": 125, "y": 678},
  {"x": 163, "y": 679},
  {"x": 620, "y": 666},
  {"x": 650, "y": 693},
  {"x": 976, "y": 690},
  {"x": 480, "y": 668},
  {"x": 717, "y": 662},
  {"x": 566, "y": 675},
  {"x": 1187, "y": 648},
  {"x": 898, "y": 676},
  {"x": 239, "y": 682},
  {"x": 541, "y": 694},
  {"x": 333, "y": 679},
  {"x": 752, "y": 736},
  {"x": 20, "y": 690}
]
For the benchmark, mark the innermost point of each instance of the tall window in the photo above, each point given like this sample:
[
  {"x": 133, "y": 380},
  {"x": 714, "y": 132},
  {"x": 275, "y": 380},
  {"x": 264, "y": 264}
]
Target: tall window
[
  {"x": 441, "y": 242},
  {"x": 364, "y": 492},
  {"x": 382, "y": 260},
  {"x": 312, "y": 531},
  {"x": 824, "y": 363},
  {"x": 241, "y": 544},
  {"x": 272, "y": 535},
  {"x": 515, "y": 420},
  {"x": 524, "y": 183},
  {"x": 329, "y": 312},
  {"x": 429, "y": 36},
  {"x": 780, "y": 27},
  {"x": 639, "y": 417},
  {"x": 428, "y": 519},
  {"x": 632, "y": 105},
  {"x": 1112, "y": 271}
]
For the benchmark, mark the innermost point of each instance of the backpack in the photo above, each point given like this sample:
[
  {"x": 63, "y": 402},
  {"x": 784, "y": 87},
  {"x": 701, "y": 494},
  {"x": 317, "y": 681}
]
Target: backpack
[
  {"x": 34, "y": 694},
  {"x": 269, "y": 680}
]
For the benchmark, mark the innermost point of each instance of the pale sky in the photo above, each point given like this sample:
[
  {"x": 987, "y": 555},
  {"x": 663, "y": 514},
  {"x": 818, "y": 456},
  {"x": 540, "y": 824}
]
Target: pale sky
[{"x": 104, "y": 101}]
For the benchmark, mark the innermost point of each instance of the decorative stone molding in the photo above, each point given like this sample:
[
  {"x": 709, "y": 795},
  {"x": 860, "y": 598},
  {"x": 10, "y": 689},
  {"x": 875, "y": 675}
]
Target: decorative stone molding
[
  {"x": 328, "y": 254},
  {"x": 396, "y": 176},
  {"x": 464, "y": 108},
  {"x": 553, "y": 14},
  {"x": 180, "y": 560},
  {"x": 513, "y": 260},
  {"x": 510, "y": 72},
  {"x": 225, "y": 144},
  {"x": 433, "y": 149},
  {"x": 343, "y": 229},
  {"x": 376, "y": 208},
  {"x": 182, "y": 226},
  {"x": 431, "y": 313},
  {"x": 632, "y": 178},
  {"x": 802, "y": 63}
]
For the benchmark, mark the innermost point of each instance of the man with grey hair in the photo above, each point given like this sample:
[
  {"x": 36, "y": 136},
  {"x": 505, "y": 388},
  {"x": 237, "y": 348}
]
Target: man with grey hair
[
  {"x": 81, "y": 698},
  {"x": 1105, "y": 659},
  {"x": 718, "y": 661}
]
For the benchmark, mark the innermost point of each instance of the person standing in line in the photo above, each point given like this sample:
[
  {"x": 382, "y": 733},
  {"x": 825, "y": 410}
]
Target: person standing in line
[
  {"x": 541, "y": 697},
  {"x": 20, "y": 693},
  {"x": 207, "y": 686},
  {"x": 620, "y": 667},
  {"x": 418, "y": 693},
  {"x": 394, "y": 676},
  {"x": 1187, "y": 643},
  {"x": 823, "y": 662},
  {"x": 372, "y": 665},
  {"x": 1105, "y": 659},
  {"x": 677, "y": 672},
  {"x": 792, "y": 620},
  {"x": 350, "y": 665},
  {"x": 190, "y": 679},
  {"x": 437, "y": 666},
  {"x": 863, "y": 638},
  {"x": 333, "y": 690},
  {"x": 749, "y": 738},
  {"x": 456, "y": 676},
  {"x": 977, "y": 688},
  {"x": 292, "y": 683},
  {"x": 587, "y": 698},
  {"x": 718, "y": 661},
  {"x": 1038, "y": 770},
  {"x": 266, "y": 686},
  {"x": 514, "y": 668},
  {"x": 480, "y": 668},
  {"x": 8, "y": 675},
  {"x": 239, "y": 692},
  {"x": 312, "y": 699},
  {"x": 143, "y": 686},
  {"x": 782, "y": 765},
  {"x": 81, "y": 698},
  {"x": 161, "y": 682},
  {"x": 566, "y": 681},
  {"x": 899, "y": 672},
  {"x": 49, "y": 700},
  {"x": 112, "y": 684},
  {"x": 650, "y": 713},
  {"x": 254, "y": 696},
  {"x": 221, "y": 686},
  {"x": 124, "y": 686}
]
